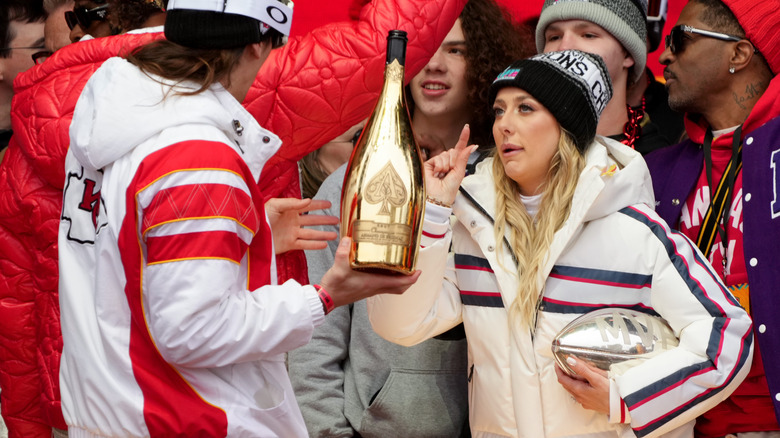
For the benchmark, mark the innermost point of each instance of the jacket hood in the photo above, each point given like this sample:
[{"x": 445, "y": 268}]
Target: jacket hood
[
  {"x": 615, "y": 176},
  {"x": 618, "y": 175},
  {"x": 122, "y": 107}
]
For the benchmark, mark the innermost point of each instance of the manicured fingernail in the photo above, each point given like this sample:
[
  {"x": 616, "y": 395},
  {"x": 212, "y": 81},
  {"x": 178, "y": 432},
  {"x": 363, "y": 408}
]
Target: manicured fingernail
[{"x": 570, "y": 360}]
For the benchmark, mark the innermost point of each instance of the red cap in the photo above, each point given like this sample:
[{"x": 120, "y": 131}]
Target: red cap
[{"x": 761, "y": 22}]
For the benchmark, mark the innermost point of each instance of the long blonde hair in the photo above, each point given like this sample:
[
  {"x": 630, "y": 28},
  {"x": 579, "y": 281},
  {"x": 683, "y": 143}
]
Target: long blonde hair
[{"x": 530, "y": 238}]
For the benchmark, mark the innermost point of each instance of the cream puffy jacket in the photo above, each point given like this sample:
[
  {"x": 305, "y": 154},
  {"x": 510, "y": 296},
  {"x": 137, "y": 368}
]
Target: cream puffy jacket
[{"x": 613, "y": 251}]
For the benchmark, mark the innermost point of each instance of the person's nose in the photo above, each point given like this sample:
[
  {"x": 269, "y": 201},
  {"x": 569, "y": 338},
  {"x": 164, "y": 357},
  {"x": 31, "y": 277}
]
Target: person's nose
[
  {"x": 566, "y": 42},
  {"x": 436, "y": 63},
  {"x": 505, "y": 128},
  {"x": 666, "y": 56}
]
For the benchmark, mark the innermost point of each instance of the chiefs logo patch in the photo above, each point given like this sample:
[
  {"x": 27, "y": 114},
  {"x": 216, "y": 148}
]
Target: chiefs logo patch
[{"x": 82, "y": 205}]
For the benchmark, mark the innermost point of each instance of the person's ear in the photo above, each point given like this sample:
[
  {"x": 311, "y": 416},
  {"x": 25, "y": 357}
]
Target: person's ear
[
  {"x": 742, "y": 55},
  {"x": 259, "y": 50},
  {"x": 628, "y": 60}
]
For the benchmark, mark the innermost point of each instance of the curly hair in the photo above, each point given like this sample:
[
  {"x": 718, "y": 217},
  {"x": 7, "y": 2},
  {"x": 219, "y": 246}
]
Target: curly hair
[
  {"x": 493, "y": 41},
  {"x": 132, "y": 14}
]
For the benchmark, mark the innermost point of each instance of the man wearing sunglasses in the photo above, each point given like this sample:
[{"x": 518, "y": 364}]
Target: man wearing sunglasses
[
  {"x": 89, "y": 19},
  {"x": 21, "y": 35},
  {"x": 721, "y": 187}
]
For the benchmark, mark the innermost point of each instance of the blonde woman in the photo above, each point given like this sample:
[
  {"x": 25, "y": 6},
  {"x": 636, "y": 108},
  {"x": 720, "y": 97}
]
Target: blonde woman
[{"x": 556, "y": 224}]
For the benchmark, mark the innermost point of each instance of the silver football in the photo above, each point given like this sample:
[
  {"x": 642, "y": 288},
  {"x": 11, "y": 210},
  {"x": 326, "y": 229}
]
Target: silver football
[{"x": 611, "y": 336}]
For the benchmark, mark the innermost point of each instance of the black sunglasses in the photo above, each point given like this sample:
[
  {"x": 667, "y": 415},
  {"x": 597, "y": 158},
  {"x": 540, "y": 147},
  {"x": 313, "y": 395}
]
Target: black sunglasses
[
  {"x": 675, "y": 39},
  {"x": 84, "y": 17}
]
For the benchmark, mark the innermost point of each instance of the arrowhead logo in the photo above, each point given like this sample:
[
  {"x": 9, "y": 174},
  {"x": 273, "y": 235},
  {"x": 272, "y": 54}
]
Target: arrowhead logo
[{"x": 81, "y": 205}]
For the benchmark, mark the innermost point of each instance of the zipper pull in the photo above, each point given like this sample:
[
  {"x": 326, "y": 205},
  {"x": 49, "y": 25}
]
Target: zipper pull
[{"x": 238, "y": 128}]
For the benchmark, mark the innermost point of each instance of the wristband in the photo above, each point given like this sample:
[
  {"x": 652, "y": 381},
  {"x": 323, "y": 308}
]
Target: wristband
[
  {"x": 327, "y": 301},
  {"x": 435, "y": 201}
]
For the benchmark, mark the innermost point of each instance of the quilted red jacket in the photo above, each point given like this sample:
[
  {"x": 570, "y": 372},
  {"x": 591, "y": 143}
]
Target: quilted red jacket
[
  {"x": 308, "y": 92},
  {"x": 31, "y": 181}
]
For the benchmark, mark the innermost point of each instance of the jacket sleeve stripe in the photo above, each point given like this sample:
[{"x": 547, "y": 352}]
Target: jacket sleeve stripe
[
  {"x": 433, "y": 236},
  {"x": 656, "y": 423},
  {"x": 201, "y": 226},
  {"x": 728, "y": 348},
  {"x": 694, "y": 276},
  {"x": 677, "y": 379},
  {"x": 210, "y": 245},
  {"x": 200, "y": 201},
  {"x": 482, "y": 300}
]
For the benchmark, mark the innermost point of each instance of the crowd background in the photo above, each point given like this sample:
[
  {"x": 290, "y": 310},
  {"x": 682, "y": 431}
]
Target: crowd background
[{"x": 311, "y": 15}]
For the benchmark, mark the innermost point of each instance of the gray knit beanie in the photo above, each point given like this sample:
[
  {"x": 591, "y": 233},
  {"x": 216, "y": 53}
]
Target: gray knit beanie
[
  {"x": 626, "y": 20},
  {"x": 573, "y": 85}
]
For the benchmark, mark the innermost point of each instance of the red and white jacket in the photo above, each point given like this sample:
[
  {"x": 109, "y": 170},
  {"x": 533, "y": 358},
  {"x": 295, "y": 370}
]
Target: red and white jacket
[
  {"x": 308, "y": 92},
  {"x": 171, "y": 320}
]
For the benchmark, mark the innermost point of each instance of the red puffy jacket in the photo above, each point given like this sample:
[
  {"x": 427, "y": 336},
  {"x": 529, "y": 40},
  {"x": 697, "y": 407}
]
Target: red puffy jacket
[
  {"x": 308, "y": 93},
  {"x": 31, "y": 181}
]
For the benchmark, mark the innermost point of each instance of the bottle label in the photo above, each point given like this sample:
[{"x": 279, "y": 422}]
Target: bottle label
[{"x": 382, "y": 234}]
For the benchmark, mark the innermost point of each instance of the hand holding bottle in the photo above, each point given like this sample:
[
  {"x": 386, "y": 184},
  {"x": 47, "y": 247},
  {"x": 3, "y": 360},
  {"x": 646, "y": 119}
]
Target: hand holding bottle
[
  {"x": 444, "y": 172},
  {"x": 346, "y": 286}
]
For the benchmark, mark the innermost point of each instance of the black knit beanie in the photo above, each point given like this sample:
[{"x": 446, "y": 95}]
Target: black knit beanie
[
  {"x": 573, "y": 85},
  {"x": 229, "y": 24}
]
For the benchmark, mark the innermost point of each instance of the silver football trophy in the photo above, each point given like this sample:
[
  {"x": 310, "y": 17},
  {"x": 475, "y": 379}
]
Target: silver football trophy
[{"x": 611, "y": 336}]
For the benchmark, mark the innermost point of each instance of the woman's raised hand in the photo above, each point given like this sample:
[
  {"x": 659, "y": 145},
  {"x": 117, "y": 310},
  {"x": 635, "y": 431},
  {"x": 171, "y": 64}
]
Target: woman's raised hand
[{"x": 444, "y": 172}]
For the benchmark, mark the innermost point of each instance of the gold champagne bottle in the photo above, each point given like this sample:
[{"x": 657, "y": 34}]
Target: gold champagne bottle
[{"x": 383, "y": 197}]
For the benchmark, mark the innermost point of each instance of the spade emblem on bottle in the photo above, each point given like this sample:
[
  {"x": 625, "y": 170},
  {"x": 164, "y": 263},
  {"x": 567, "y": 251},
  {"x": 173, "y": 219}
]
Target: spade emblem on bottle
[{"x": 386, "y": 187}]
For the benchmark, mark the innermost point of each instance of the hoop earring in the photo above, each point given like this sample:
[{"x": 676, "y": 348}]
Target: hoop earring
[{"x": 732, "y": 70}]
